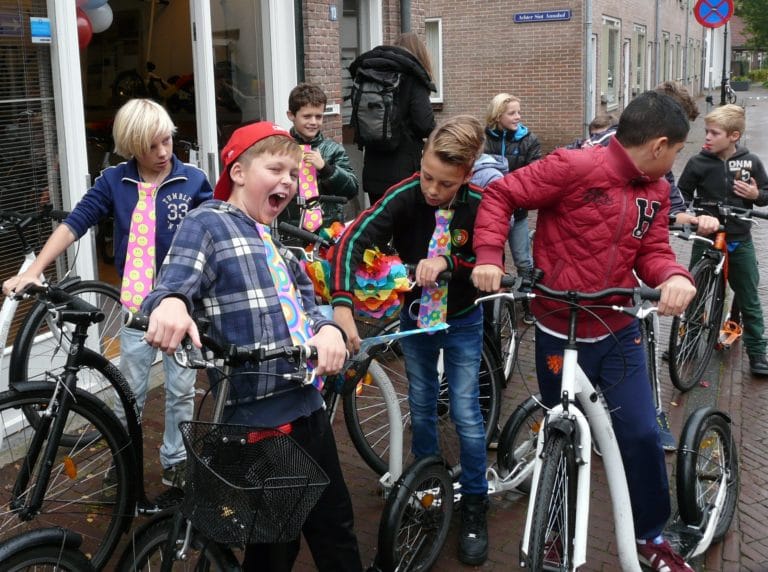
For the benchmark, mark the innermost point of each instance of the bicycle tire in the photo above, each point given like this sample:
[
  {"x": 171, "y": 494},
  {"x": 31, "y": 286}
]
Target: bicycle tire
[
  {"x": 41, "y": 348},
  {"x": 517, "y": 441},
  {"x": 649, "y": 342},
  {"x": 53, "y": 558},
  {"x": 89, "y": 490},
  {"x": 367, "y": 421},
  {"x": 554, "y": 510},
  {"x": 416, "y": 518},
  {"x": 707, "y": 452},
  {"x": 695, "y": 333},
  {"x": 732, "y": 97},
  {"x": 147, "y": 551},
  {"x": 505, "y": 321}
]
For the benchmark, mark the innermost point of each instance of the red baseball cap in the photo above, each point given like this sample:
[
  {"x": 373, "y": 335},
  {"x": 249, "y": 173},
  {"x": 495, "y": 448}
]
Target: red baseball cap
[{"x": 241, "y": 139}]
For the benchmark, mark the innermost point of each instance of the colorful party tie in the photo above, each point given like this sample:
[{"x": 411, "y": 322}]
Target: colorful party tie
[
  {"x": 312, "y": 219},
  {"x": 139, "y": 270},
  {"x": 433, "y": 307},
  {"x": 293, "y": 312}
]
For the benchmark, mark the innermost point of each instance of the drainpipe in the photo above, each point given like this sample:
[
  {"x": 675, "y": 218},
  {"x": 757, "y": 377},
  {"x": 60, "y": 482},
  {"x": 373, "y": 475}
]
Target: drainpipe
[
  {"x": 685, "y": 51},
  {"x": 405, "y": 16},
  {"x": 657, "y": 40},
  {"x": 590, "y": 64}
]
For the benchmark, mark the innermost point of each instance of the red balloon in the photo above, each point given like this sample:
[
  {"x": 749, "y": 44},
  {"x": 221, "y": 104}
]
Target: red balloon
[{"x": 84, "y": 29}]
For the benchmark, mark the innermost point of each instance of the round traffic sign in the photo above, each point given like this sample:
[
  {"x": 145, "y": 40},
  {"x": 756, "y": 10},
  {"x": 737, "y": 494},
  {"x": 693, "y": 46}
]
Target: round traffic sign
[{"x": 713, "y": 13}]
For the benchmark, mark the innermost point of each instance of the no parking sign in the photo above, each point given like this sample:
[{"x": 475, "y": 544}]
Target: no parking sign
[{"x": 713, "y": 13}]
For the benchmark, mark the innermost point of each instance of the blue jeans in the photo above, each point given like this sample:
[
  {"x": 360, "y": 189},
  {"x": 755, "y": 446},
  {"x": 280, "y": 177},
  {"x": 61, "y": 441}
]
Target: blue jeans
[
  {"x": 136, "y": 359},
  {"x": 520, "y": 245},
  {"x": 462, "y": 345},
  {"x": 617, "y": 365}
]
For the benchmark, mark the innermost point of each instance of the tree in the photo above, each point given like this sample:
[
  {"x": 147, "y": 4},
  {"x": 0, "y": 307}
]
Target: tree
[{"x": 755, "y": 15}]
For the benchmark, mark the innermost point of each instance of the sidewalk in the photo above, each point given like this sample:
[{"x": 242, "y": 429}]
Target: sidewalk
[{"x": 729, "y": 387}]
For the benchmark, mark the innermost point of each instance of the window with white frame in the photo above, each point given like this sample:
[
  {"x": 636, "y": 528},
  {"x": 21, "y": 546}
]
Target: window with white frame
[
  {"x": 666, "y": 64},
  {"x": 611, "y": 51},
  {"x": 433, "y": 29},
  {"x": 639, "y": 41}
]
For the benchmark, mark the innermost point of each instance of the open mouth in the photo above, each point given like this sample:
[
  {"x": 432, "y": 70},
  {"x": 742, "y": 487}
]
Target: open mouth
[{"x": 276, "y": 200}]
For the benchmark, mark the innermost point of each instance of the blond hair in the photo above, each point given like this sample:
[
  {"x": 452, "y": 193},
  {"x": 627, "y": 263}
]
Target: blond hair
[
  {"x": 137, "y": 123},
  {"x": 496, "y": 109},
  {"x": 728, "y": 117},
  {"x": 274, "y": 145},
  {"x": 458, "y": 140},
  {"x": 411, "y": 42}
]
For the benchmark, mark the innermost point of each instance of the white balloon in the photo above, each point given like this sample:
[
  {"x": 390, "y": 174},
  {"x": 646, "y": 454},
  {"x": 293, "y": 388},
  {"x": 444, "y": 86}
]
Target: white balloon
[{"x": 101, "y": 18}]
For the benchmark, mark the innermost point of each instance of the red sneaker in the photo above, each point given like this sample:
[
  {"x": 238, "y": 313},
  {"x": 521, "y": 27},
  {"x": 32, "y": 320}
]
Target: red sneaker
[{"x": 661, "y": 557}]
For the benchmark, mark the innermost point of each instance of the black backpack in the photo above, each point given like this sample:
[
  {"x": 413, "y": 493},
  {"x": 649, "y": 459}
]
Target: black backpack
[{"x": 375, "y": 115}]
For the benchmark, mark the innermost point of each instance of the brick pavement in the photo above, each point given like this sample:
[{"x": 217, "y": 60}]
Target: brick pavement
[{"x": 730, "y": 387}]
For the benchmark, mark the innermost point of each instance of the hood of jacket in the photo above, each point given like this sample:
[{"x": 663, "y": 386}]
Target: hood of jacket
[
  {"x": 488, "y": 168},
  {"x": 392, "y": 58}
]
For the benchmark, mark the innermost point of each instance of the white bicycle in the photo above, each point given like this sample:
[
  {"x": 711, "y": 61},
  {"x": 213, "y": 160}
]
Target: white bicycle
[{"x": 707, "y": 476}]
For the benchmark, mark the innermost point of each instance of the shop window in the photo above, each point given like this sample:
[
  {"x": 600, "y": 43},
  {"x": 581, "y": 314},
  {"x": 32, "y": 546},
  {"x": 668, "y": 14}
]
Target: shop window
[
  {"x": 433, "y": 29},
  {"x": 28, "y": 146},
  {"x": 611, "y": 49},
  {"x": 640, "y": 47}
]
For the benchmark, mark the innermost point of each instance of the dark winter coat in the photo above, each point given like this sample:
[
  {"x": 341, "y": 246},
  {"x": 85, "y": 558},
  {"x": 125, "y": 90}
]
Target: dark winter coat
[
  {"x": 381, "y": 170},
  {"x": 708, "y": 180}
]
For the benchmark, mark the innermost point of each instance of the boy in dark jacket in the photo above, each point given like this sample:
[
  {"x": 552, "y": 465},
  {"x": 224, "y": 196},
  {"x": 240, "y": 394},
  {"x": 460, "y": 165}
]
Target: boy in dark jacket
[
  {"x": 409, "y": 214},
  {"x": 602, "y": 217},
  {"x": 727, "y": 173},
  {"x": 335, "y": 176}
]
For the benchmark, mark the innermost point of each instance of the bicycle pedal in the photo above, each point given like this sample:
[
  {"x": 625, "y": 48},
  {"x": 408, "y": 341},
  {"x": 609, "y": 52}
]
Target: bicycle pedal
[{"x": 730, "y": 332}]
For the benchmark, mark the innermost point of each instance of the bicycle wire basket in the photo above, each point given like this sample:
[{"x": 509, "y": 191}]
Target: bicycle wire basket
[{"x": 246, "y": 485}]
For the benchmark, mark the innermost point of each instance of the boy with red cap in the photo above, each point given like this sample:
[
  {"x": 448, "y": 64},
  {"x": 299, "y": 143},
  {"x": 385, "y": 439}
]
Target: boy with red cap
[{"x": 223, "y": 264}]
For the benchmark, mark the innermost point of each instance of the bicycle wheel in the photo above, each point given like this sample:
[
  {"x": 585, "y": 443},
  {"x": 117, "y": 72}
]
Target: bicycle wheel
[
  {"x": 694, "y": 334},
  {"x": 731, "y": 95},
  {"x": 517, "y": 442},
  {"x": 416, "y": 518},
  {"x": 554, "y": 511},
  {"x": 706, "y": 462},
  {"x": 505, "y": 320},
  {"x": 53, "y": 558},
  {"x": 365, "y": 410},
  {"x": 41, "y": 346},
  {"x": 148, "y": 551},
  {"x": 88, "y": 490}
]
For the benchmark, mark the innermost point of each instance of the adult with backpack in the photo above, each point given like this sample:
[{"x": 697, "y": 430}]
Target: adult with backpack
[{"x": 391, "y": 111}]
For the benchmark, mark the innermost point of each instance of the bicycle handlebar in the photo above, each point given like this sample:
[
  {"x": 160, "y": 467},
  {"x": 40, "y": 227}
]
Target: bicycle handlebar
[
  {"x": 301, "y": 234},
  {"x": 23, "y": 219},
  {"x": 231, "y": 354},
  {"x": 63, "y": 301},
  {"x": 321, "y": 200}
]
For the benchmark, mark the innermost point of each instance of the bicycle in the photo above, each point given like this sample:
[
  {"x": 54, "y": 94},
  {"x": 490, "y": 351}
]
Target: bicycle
[
  {"x": 40, "y": 345},
  {"x": 367, "y": 410},
  {"x": 64, "y": 454},
  {"x": 555, "y": 533},
  {"x": 695, "y": 334},
  {"x": 243, "y": 485},
  {"x": 58, "y": 548}
]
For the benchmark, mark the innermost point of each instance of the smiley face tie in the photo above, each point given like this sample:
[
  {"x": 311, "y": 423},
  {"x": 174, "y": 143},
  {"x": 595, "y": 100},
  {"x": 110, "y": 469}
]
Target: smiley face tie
[
  {"x": 312, "y": 219},
  {"x": 433, "y": 306},
  {"x": 139, "y": 270}
]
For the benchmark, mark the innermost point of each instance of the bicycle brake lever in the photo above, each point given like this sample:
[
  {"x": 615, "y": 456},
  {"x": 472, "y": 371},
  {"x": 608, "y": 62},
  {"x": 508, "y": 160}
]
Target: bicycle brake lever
[{"x": 190, "y": 357}]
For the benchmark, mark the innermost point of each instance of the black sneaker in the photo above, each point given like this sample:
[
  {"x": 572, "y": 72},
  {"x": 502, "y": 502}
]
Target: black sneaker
[
  {"x": 473, "y": 537},
  {"x": 758, "y": 365},
  {"x": 668, "y": 442},
  {"x": 528, "y": 317},
  {"x": 174, "y": 475}
]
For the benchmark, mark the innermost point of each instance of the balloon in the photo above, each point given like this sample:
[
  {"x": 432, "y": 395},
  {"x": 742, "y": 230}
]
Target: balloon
[
  {"x": 84, "y": 29},
  {"x": 92, "y": 4},
  {"x": 101, "y": 18},
  {"x": 80, "y": 3}
]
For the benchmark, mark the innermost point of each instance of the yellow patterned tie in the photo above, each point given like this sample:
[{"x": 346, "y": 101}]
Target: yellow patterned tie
[{"x": 139, "y": 269}]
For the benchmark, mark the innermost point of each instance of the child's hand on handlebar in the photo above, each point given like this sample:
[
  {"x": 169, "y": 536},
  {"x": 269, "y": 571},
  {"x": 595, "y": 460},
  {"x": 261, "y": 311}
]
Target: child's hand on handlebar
[
  {"x": 344, "y": 317},
  {"x": 428, "y": 269},
  {"x": 17, "y": 284},
  {"x": 169, "y": 322},
  {"x": 676, "y": 293},
  {"x": 331, "y": 351},
  {"x": 487, "y": 277}
]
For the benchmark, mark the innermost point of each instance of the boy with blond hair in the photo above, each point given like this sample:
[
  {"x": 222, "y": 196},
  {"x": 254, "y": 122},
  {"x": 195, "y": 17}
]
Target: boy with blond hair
[
  {"x": 224, "y": 265},
  {"x": 726, "y": 172}
]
